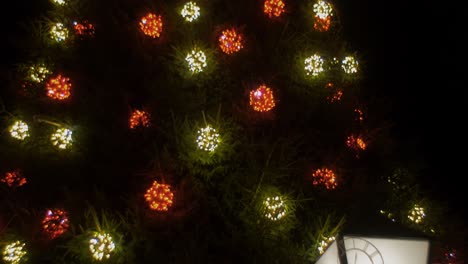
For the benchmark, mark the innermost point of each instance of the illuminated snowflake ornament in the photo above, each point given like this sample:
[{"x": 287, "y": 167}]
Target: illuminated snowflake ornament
[
  {"x": 313, "y": 65},
  {"x": 62, "y": 138},
  {"x": 323, "y": 12},
  {"x": 55, "y": 222},
  {"x": 261, "y": 99},
  {"x": 59, "y": 87},
  {"x": 349, "y": 65},
  {"x": 273, "y": 8},
  {"x": 208, "y": 139},
  {"x": 159, "y": 196},
  {"x": 101, "y": 246},
  {"x": 325, "y": 177},
  {"x": 275, "y": 208},
  {"x": 14, "y": 252},
  {"x": 139, "y": 118},
  {"x": 230, "y": 41},
  {"x": 416, "y": 214},
  {"x": 196, "y": 60},
  {"x": 19, "y": 130},
  {"x": 38, "y": 73},
  {"x": 151, "y": 25},
  {"x": 190, "y": 12},
  {"x": 14, "y": 179},
  {"x": 59, "y": 32}
]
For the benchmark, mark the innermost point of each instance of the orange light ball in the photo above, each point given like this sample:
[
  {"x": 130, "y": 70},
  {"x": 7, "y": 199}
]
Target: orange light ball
[
  {"x": 151, "y": 25},
  {"x": 230, "y": 41},
  {"x": 59, "y": 87},
  {"x": 159, "y": 196},
  {"x": 325, "y": 177},
  {"x": 261, "y": 99},
  {"x": 273, "y": 8},
  {"x": 55, "y": 222},
  {"x": 139, "y": 118}
]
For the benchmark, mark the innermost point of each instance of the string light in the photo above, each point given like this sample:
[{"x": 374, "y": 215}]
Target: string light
[
  {"x": 230, "y": 41},
  {"x": 14, "y": 178},
  {"x": 313, "y": 65},
  {"x": 336, "y": 93},
  {"x": 273, "y": 8},
  {"x": 55, "y": 222},
  {"x": 356, "y": 143},
  {"x": 324, "y": 244},
  {"x": 262, "y": 99},
  {"x": 101, "y": 246},
  {"x": 275, "y": 208},
  {"x": 59, "y": 32},
  {"x": 83, "y": 28},
  {"x": 159, "y": 196},
  {"x": 139, "y": 118},
  {"x": 19, "y": 130},
  {"x": 38, "y": 73},
  {"x": 325, "y": 177},
  {"x": 190, "y": 11},
  {"x": 323, "y": 13},
  {"x": 151, "y": 25},
  {"x": 196, "y": 60},
  {"x": 208, "y": 139},
  {"x": 62, "y": 138},
  {"x": 59, "y": 87},
  {"x": 349, "y": 65},
  {"x": 14, "y": 252},
  {"x": 360, "y": 114},
  {"x": 389, "y": 215},
  {"x": 416, "y": 214}
]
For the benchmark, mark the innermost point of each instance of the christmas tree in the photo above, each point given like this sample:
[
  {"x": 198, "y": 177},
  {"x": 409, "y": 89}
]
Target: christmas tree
[{"x": 198, "y": 132}]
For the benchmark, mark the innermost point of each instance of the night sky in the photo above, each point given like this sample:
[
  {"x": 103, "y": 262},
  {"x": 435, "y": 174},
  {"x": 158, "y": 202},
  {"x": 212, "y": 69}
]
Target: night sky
[{"x": 413, "y": 56}]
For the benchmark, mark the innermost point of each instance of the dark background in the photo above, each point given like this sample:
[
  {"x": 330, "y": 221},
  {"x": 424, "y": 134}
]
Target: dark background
[{"x": 414, "y": 59}]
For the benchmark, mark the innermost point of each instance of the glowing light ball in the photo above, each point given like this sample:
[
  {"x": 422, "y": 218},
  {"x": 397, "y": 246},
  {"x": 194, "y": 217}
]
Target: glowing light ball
[
  {"x": 59, "y": 2},
  {"x": 324, "y": 244},
  {"x": 59, "y": 87},
  {"x": 62, "y": 138},
  {"x": 323, "y": 12},
  {"x": 190, "y": 11},
  {"x": 230, "y": 41},
  {"x": 416, "y": 214},
  {"x": 325, "y": 177},
  {"x": 14, "y": 252},
  {"x": 83, "y": 28},
  {"x": 139, "y": 118},
  {"x": 38, "y": 73},
  {"x": 19, "y": 130},
  {"x": 313, "y": 65},
  {"x": 101, "y": 246},
  {"x": 59, "y": 32},
  {"x": 14, "y": 178},
  {"x": 262, "y": 99},
  {"x": 159, "y": 196},
  {"x": 273, "y": 8},
  {"x": 151, "y": 25},
  {"x": 275, "y": 208},
  {"x": 55, "y": 222},
  {"x": 349, "y": 65},
  {"x": 196, "y": 60},
  {"x": 208, "y": 139},
  {"x": 356, "y": 143}
]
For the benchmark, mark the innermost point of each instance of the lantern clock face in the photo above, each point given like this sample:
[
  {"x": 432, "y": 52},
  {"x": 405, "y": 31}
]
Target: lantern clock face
[{"x": 361, "y": 251}]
